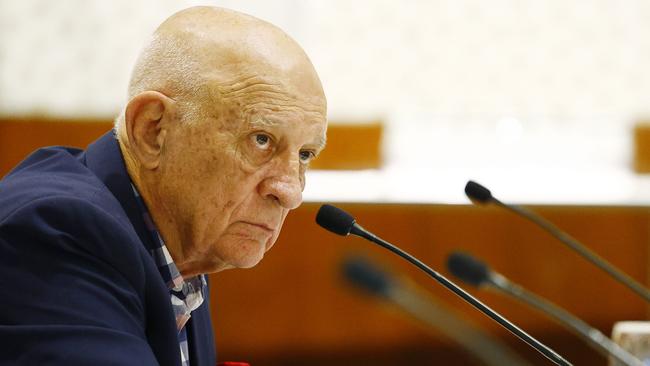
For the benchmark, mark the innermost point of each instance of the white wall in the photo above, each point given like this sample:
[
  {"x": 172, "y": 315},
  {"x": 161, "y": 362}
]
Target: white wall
[
  {"x": 555, "y": 61},
  {"x": 497, "y": 90}
]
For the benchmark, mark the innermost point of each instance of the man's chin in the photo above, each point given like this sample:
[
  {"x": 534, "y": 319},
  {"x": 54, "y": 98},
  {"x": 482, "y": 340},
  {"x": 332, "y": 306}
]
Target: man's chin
[
  {"x": 246, "y": 263},
  {"x": 250, "y": 257}
]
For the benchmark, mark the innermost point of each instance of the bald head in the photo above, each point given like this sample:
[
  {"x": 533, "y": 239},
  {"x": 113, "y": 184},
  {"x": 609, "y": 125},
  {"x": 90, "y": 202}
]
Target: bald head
[{"x": 202, "y": 52}]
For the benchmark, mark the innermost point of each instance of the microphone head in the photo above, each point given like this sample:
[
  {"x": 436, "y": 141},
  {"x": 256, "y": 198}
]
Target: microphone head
[
  {"x": 468, "y": 269},
  {"x": 335, "y": 220},
  {"x": 477, "y": 193},
  {"x": 362, "y": 273}
]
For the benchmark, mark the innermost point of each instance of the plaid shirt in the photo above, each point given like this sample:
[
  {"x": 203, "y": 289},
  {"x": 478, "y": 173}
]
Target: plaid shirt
[{"x": 186, "y": 295}]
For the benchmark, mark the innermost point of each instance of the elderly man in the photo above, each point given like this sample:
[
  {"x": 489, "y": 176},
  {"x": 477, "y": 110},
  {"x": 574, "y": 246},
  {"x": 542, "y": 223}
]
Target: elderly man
[{"x": 103, "y": 252}]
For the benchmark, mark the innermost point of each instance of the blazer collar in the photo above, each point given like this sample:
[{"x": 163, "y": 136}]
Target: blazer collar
[{"x": 104, "y": 158}]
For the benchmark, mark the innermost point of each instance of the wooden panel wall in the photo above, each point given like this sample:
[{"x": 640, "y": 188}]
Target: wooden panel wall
[
  {"x": 350, "y": 146},
  {"x": 20, "y": 136},
  {"x": 295, "y": 309}
]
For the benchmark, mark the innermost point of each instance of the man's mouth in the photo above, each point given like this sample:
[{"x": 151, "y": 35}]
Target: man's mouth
[{"x": 263, "y": 226}]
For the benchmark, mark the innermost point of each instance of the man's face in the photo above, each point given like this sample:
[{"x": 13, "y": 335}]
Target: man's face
[{"x": 229, "y": 180}]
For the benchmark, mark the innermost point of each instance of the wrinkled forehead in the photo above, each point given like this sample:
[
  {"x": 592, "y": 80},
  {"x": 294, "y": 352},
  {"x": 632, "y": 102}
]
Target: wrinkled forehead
[
  {"x": 252, "y": 102},
  {"x": 251, "y": 88},
  {"x": 265, "y": 103},
  {"x": 288, "y": 90},
  {"x": 249, "y": 79}
]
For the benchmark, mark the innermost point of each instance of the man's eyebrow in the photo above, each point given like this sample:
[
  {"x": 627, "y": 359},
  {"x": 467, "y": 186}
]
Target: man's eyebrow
[
  {"x": 322, "y": 141},
  {"x": 260, "y": 122}
]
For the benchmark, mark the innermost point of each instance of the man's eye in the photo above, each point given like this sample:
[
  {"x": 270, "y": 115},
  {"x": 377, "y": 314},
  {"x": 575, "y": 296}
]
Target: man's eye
[
  {"x": 262, "y": 141},
  {"x": 307, "y": 156}
]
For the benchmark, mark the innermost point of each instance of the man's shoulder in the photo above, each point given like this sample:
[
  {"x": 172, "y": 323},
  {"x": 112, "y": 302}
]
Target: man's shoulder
[
  {"x": 51, "y": 176},
  {"x": 53, "y": 194}
]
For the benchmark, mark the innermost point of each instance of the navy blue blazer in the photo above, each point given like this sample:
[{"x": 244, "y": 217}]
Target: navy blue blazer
[{"x": 77, "y": 283}]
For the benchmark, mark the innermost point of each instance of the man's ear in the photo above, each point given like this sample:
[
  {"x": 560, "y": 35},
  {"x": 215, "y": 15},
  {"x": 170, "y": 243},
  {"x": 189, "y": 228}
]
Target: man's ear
[{"x": 145, "y": 118}]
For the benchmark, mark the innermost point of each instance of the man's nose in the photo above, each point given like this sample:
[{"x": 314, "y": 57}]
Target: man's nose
[{"x": 284, "y": 183}]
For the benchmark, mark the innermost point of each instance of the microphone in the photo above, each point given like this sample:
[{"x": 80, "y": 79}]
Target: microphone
[
  {"x": 481, "y": 195},
  {"x": 340, "y": 222},
  {"x": 413, "y": 300},
  {"x": 476, "y": 273}
]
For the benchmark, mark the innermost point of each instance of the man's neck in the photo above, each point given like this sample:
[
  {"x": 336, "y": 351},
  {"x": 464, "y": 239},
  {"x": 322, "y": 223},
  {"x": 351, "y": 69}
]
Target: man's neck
[{"x": 161, "y": 218}]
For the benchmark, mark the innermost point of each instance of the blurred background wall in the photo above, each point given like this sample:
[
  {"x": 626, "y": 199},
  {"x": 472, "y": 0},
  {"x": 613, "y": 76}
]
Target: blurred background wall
[
  {"x": 538, "y": 100},
  {"x": 500, "y": 91}
]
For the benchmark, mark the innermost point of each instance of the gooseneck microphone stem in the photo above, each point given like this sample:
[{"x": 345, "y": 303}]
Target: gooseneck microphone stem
[
  {"x": 541, "y": 348},
  {"x": 579, "y": 248},
  {"x": 593, "y": 336}
]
